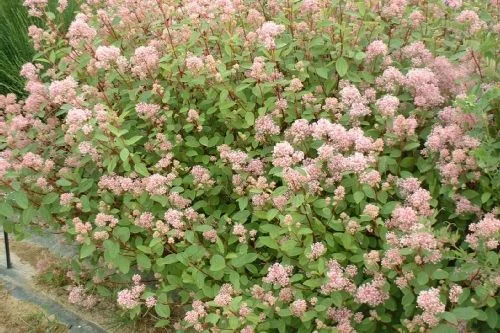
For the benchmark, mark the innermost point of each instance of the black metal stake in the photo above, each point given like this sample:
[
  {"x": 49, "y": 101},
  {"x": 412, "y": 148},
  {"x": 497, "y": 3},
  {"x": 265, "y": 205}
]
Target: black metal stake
[{"x": 7, "y": 249}]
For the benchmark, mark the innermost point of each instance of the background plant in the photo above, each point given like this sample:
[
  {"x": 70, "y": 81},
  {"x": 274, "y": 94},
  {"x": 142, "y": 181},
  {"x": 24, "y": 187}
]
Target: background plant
[
  {"x": 267, "y": 166},
  {"x": 15, "y": 46}
]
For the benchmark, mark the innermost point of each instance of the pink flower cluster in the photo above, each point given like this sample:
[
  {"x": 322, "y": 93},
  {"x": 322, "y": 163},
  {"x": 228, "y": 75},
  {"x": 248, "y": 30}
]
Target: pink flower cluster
[
  {"x": 194, "y": 316},
  {"x": 387, "y": 105},
  {"x": 356, "y": 103},
  {"x": 278, "y": 275},
  {"x": 371, "y": 293},
  {"x": 265, "y": 127},
  {"x": 375, "y": 49},
  {"x": 404, "y": 127},
  {"x": 63, "y": 91},
  {"x": 145, "y": 220},
  {"x": 453, "y": 145},
  {"x": 298, "y": 307},
  {"x": 130, "y": 298},
  {"x": 78, "y": 296},
  {"x": 76, "y": 119},
  {"x": 429, "y": 302},
  {"x": 284, "y": 155},
  {"x": 147, "y": 110},
  {"x": 455, "y": 293},
  {"x": 35, "y": 7},
  {"x": 318, "y": 249},
  {"x": 102, "y": 220},
  {"x": 80, "y": 31},
  {"x": 155, "y": 184},
  {"x": 145, "y": 61},
  {"x": 224, "y": 298},
  {"x": 424, "y": 86},
  {"x": 107, "y": 56},
  {"x": 472, "y": 19},
  {"x": 268, "y": 32},
  {"x": 486, "y": 231},
  {"x": 337, "y": 279},
  {"x": 201, "y": 176}
]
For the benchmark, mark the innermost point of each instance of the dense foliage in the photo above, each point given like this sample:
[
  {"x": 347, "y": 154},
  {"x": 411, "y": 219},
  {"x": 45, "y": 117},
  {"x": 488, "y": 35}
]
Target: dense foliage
[{"x": 261, "y": 166}]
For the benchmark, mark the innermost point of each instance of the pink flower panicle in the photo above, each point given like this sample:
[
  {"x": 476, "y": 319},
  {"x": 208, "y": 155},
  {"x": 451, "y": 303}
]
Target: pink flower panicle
[
  {"x": 298, "y": 308},
  {"x": 375, "y": 49},
  {"x": 107, "y": 56},
  {"x": 284, "y": 155},
  {"x": 371, "y": 293},
  {"x": 201, "y": 176},
  {"x": 80, "y": 31},
  {"x": 278, "y": 275},
  {"x": 265, "y": 127},
  {"x": 428, "y": 300},
  {"x": 485, "y": 231},
  {"x": 317, "y": 250},
  {"x": 35, "y": 7},
  {"x": 268, "y": 32},
  {"x": 145, "y": 61}
]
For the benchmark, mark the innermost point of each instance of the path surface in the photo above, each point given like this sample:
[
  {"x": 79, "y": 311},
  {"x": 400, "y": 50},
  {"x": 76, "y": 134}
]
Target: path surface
[{"x": 19, "y": 284}]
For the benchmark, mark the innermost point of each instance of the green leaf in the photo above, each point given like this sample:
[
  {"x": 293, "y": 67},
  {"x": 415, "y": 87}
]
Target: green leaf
[
  {"x": 143, "y": 261},
  {"x": 112, "y": 164},
  {"x": 465, "y": 313},
  {"x": 204, "y": 141},
  {"x": 440, "y": 274},
  {"x": 341, "y": 66},
  {"x": 122, "y": 233},
  {"x": 21, "y": 199},
  {"x": 267, "y": 241},
  {"x": 50, "y": 198},
  {"x": 323, "y": 72},
  {"x": 6, "y": 209},
  {"x": 217, "y": 263},
  {"x": 249, "y": 118},
  {"x": 124, "y": 153},
  {"x": 141, "y": 169},
  {"x": 162, "y": 310},
  {"x": 87, "y": 250},
  {"x": 242, "y": 203},
  {"x": 244, "y": 259},
  {"x": 407, "y": 299},
  {"x": 212, "y": 318},
  {"x": 169, "y": 259},
  {"x": 133, "y": 140},
  {"x": 369, "y": 192},
  {"x": 422, "y": 278},
  {"x": 485, "y": 197},
  {"x": 123, "y": 264},
  {"x": 358, "y": 196},
  {"x": 63, "y": 182},
  {"x": 162, "y": 323},
  {"x": 492, "y": 317},
  {"x": 449, "y": 317},
  {"x": 112, "y": 248},
  {"x": 443, "y": 328},
  {"x": 411, "y": 146},
  {"x": 28, "y": 215}
]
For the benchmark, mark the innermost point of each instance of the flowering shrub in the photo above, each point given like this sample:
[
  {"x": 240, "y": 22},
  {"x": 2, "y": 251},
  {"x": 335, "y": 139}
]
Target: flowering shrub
[{"x": 267, "y": 165}]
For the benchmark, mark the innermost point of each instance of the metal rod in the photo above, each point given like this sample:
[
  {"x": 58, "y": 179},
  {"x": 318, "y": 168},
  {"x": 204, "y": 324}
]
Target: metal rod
[{"x": 7, "y": 249}]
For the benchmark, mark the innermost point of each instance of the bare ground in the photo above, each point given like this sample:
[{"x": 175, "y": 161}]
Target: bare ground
[
  {"x": 22, "y": 317},
  {"x": 36, "y": 320}
]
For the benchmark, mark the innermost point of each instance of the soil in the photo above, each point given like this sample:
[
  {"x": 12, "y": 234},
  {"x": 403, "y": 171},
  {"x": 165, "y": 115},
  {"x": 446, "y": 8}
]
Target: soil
[{"x": 22, "y": 317}]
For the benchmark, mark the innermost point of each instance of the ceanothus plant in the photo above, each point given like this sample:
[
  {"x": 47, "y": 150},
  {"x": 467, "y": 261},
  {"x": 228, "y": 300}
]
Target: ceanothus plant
[{"x": 262, "y": 166}]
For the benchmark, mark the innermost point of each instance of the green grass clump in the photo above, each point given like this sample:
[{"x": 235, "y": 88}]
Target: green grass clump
[{"x": 16, "y": 48}]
